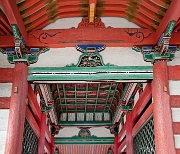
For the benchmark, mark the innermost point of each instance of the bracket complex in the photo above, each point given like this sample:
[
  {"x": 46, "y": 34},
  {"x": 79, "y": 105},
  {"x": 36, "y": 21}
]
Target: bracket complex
[
  {"x": 162, "y": 51},
  {"x": 20, "y": 53}
]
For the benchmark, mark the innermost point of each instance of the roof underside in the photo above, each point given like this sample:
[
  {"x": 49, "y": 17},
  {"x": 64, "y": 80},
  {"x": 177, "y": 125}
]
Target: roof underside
[
  {"x": 86, "y": 103},
  {"x": 37, "y": 14}
]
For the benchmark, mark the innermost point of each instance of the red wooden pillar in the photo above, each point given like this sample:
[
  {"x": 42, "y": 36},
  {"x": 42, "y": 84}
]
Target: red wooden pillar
[
  {"x": 129, "y": 139},
  {"x": 164, "y": 139},
  {"x": 52, "y": 144},
  {"x": 17, "y": 110},
  {"x": 42, "y": 134},
  {"x": 116, "y": 144}
]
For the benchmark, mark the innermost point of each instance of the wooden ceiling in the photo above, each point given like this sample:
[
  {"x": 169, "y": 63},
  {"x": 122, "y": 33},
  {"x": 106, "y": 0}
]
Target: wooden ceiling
[{"x": 37, "y": 14}]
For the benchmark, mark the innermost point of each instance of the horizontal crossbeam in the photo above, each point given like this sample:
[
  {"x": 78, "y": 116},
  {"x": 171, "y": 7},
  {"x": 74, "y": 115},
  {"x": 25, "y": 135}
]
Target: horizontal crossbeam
[
  {"x": 65, "y": 74},
  {"x": 91, "y": 140}
]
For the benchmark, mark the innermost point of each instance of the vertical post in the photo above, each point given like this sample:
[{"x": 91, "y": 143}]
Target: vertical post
[
  {"x": 17, "y": 110},
  {"x": 42, "y": 134},
  {"x": 164, "y": 139},
  {"x": 52, "y": 144},
  {"x": 129, "y": 139},
  {"x": 116, "y": 144}
]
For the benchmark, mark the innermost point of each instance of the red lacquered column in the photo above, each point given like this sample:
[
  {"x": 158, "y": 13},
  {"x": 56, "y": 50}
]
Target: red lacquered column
[
  {"x": 164, "y": 139},
  {"x": 129, "y": 139},
  {"x": 52, "y": 144},
  {"x": 17, "y": 110},
  {"x": 116, "y": 144},
  {"x": 42, "y": 134}
]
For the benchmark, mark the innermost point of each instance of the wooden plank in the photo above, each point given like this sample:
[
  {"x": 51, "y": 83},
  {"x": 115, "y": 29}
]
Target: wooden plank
[
  {"x": 143, "y": 118},
  {"x": 171, "y": 14},
  {"x": 34, "y": 104},
  {"x": 48, "y": 135},
  {"x": 142, "y": 102},
  {"x": 5, "y": 102},
  {"x": 175, "y": 101},
  {"x": 32, "y": 121},
  {"x": 6, "y": 75},
  {"x": 176, "y": 127},
  {"x": 174, "y": 72},
  {"x": 12, "y": 13}
]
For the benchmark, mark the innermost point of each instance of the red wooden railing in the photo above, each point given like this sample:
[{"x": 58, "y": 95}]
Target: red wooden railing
[{"x": 130, "y": 127}]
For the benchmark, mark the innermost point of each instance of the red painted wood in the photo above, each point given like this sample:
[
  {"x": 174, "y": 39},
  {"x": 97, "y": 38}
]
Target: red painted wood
[
  {"x": 34, "y": 104},
  {"x": 176, "y": 127},
  {"x": 13, "y": 15},
  {"x": 129, "y": 139},
  {"x": 86, "y": 35},
  {"x": 46, "y": 145},
  {"x": 17, "y": 110},
  {"x": 4, "y": 102},
  {"x": 48, "y": 135},
  {"x": 177, "y": 151},
  {"x": 32, "y": 121},
  {"x": 122, "y": 132},
  {"x": 123, "y": 143},
  {"x": 6, "y": 75},
  {"x": 174, "y": 72},
  {"x": 42, "y": 134},
  {"x": 116, "y": 145},
  {"x": 171, "y": 14},
  {"x": 142, "y": 102},
  {"x": 143, "y": 118},
  {"x": 175, "y": 101},
  {"x": 52, "y": 145},
  {"x": 164, "y": 139}
]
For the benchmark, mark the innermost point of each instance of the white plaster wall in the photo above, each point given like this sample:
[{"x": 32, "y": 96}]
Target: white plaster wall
[
  {"x": 4, "y": 115},
  {"x": 5, "y": 91},
  {"x": 72, "y": 131},
  {"x": 4, "y": 62},
  {"x": 59, "y": 57}
]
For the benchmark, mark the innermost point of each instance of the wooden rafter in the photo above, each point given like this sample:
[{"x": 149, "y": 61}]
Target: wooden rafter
[
  {"x": 12, "y": 13},
  {"x": 171, "y": 14}
]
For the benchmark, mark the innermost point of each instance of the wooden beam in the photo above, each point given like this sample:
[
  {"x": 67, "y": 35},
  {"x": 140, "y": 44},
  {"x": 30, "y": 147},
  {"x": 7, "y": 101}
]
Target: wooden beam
[
  {"x": 34, "y": 104},
  {"x": 123, "y": 37},
  {"x": 4, "y": 102},
  {"x": 12, "y": 13},
  {"x": 171, "y": 14},
  {"x": 174, "y": 72},
  {"x": 6, "y": 75}
]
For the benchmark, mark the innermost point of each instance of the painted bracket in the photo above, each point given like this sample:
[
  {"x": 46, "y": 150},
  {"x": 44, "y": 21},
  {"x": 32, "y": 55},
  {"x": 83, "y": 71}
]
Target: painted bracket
[
  {"x": 20, "y": 53},
  {"x": 162, "y": 51}
]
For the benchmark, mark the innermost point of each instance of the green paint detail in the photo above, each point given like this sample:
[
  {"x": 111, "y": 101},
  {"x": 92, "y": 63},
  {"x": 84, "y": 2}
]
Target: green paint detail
[
  {"x": 91, "y": 74},
  {"x": 2, "y": 51},
  {"x": 156, "y": 56},
  {"x": 78, "y": 140},
  {"x": 87, "y": 59},
  {"x": 84, "y": 133},
  {"x": 127, "y": 108},
  {"x": 136, "y": 49},
  {"x": 170, "y": 28},
  {"x": 45, "y": 50},
  {"x": 84, "y": 123},
  {"x": 15, "y": 31},
  {"x": 26, "y": 58},
  {"x": 46, "y": 108}
]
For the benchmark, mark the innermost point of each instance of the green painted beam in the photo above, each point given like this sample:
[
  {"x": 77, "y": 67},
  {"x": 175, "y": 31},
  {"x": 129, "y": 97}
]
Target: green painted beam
[
  {"x": 84, "y": 123},
  {"x": 91, "y": 74},
  {"x": 78, "y": 140}
]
